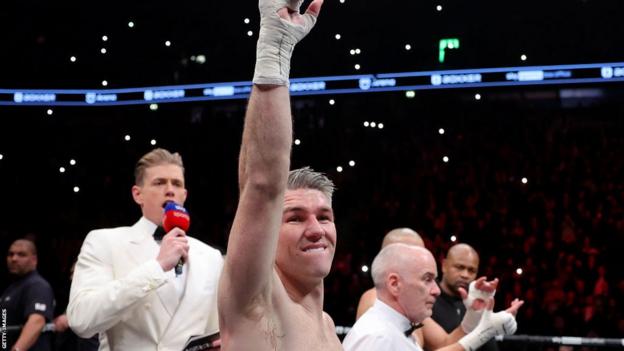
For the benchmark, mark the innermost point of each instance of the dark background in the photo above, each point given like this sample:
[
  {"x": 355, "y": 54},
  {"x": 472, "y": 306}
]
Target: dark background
[{"x": 564, "y": 227}]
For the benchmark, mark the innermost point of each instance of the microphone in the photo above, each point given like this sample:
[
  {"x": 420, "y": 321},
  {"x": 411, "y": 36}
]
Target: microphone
[{"x": 176, "y": 216}]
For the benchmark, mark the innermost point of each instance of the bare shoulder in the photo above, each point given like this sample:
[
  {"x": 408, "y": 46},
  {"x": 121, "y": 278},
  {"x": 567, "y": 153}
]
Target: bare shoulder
[{"x": 329, "y": 322}]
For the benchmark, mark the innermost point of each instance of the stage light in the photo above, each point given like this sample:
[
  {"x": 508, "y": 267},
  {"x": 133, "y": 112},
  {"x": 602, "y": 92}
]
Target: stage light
[
  {"x": 445, "y": 159},
  {"x": 477, "y": 96},
  {"x": 366, "y": 124},
  {"x": 246, "y": 20},
  {"x": 364, "y": 268},
  {"x": 49, "y": 112},
  {"x": 357, "y": 66},
  {"x": 297, "y": 142},
  {"x": 352, "y": 52},
  {"x": 523, "y": 57},
  {"x": 408, "y": 47},
  {"x": 72, "y": 162},
  {"x": 441, "y": 131},
  {"x": 358, "y": 51},
  {"x": 453, "y": 238},
  {"x": 104, "y": 38},
  {"x": 62, "y": 169},
  {"x": 104, "y": 83},
  {"x": 373, "y": 124},
  {"x": 380, "y": 126},
  {"x": 76, "y": 189},
  {"x": 103, "y": 51},
  {"x": 153, "y": 142},
  {"x": 332, "y": 101},
  {"x": 337, "y": 36},
  {"x": 127, "y": 137},
  {"x": 249, "y": 33},
  {"x": 439, "y": 8},
  {"x": 131, "y": 24},
  {"x": 351, "y": 163},
  {"x": 72, "y": 59},
  {"x": 410, "y": 94},
  {"x": 339, "y": 169},
  {"x": 153, "y": 107},
  {"x": 524, "y": 180},
  {"x": 167, "y": 43},
  {"x": 519, "y": 271}
]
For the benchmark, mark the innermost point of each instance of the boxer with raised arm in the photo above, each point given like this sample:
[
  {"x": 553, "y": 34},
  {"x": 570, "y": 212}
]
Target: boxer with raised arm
[{"x": 283, "y": 237}]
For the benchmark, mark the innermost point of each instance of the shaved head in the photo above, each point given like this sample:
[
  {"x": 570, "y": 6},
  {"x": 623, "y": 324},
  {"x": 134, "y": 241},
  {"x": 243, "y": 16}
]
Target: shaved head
[
  {"x": 27, "y": 244},
  {"x": 459, "y": 268},
  {"x": 402, "y": 236}
]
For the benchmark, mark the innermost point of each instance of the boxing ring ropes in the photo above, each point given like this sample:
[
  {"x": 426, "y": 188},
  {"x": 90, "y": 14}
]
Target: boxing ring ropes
[
  {"x": 540, "y": 339},
  {"x": 525, "y": 339}
]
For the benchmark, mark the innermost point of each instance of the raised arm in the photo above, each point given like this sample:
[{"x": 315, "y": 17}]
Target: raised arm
[{"x": 264, "y": 158}]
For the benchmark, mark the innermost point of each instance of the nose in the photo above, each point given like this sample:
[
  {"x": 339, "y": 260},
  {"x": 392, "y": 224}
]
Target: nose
[
  {"x": 169, "y": 190},
  {"x": 314, "y": 231},
  {"x": 436, "y": 290}
]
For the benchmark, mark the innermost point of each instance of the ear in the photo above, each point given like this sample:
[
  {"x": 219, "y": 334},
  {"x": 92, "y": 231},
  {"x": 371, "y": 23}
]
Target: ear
[
  {"x": 137, "y": 195},
  {"x": 393, "y": 283}
]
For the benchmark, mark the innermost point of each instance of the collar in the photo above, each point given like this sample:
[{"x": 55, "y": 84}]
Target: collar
[
  {"x": 392, "y": 316},
  {"x": 143, "y": 229}
]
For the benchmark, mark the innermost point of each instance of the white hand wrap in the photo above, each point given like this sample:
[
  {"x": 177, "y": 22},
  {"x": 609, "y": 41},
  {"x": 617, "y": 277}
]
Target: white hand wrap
[
  {"x": 491, "y": 325},
  {"x": 472, "y": 316},
  {"x": 277, "y": 40}
]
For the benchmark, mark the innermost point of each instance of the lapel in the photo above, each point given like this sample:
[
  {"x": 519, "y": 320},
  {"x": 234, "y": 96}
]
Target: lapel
[
  {"x": 192, "y": 299},
  {"x": 142, "y": 247}
]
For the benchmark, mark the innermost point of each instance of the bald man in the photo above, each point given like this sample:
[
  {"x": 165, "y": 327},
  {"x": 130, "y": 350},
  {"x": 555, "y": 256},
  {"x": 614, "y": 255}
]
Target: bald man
[
  {"x": 28, "y": 302},
  {"x": 398, "y": 235},
  {"x": 459, "y": 269},
  {"x": 404, "y": 277}
]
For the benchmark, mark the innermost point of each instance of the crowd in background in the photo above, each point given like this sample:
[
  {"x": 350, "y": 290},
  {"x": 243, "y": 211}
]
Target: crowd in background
[{"x": 563, "y": 226}]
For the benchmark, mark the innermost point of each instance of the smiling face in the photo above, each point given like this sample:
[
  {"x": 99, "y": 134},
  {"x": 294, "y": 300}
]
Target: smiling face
[
  {"x": 161, "y": 183},
  {"x": 307, "y": 239}
]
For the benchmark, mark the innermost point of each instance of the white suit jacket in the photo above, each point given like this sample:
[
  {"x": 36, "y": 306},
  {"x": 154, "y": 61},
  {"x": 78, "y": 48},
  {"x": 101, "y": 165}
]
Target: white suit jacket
[{"x": 119, "y": 289}]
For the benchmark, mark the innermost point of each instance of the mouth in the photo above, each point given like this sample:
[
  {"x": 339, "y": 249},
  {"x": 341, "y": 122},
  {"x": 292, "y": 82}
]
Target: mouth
[{"x": 314, "y": 248}]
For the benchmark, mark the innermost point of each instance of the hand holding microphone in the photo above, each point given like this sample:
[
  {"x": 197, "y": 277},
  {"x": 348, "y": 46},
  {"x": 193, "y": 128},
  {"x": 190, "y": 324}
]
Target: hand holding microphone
[{"x": 174, "y": 246}]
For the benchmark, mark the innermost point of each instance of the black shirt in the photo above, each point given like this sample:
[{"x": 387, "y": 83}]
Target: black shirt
[
  {"x": 27, "y": 295},
  {"x": 448, "y": 312}
]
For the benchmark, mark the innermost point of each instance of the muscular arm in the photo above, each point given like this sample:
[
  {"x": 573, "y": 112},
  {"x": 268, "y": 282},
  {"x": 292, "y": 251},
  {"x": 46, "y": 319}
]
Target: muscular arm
[
  {"x": 263, "y": 171},
  {"x": 264, "y": 159},
  {"x": 30, "y": 332}
]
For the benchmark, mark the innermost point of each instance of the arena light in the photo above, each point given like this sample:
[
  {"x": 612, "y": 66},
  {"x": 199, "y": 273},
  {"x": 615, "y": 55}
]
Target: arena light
[
  {"x": 72, "y": 59},
  {"x": 339, "y": 169},
  {"x": 246, "y": 20},
  {"x": 127, "y": 137},
  {"x": 332, "y": 102},
  {"x": 50, "y": 112},
  {"x": 439, "y": 8},
  {"x": 153, "y": 142},
  {"x": 357, "y": 66},
  {"x": 1, "y": 156},
  {"x": 352, "y": 163},
  {"x": 104, "y": 38},
  {"x": 380, "y": 126},
  {"x": 249, "y": 33},
  {"x": 519, "y": 271},
  {"x": 131, "y": 24},
  {"x": 477, "y": 97},
  {"x": 523, "y": 57},
  {"x": 364, "y": 268},
  {"x": 524, "y": 180},
  {"x": 61, "y": 169},
  {"x": 337, "y": 36},
  {"x": 373, "y": 124},
  {"x": 103, "y": 51},
  {"x": 76, "y": 189},
  {"x": 453, "y": 238},
  {"x": 153, "y": 107},
  {"x": 410, "y": 94},
  {"x": 366, "y": 124},
  {"x": 445, "y": 159},
  {"x": 72, "y": 162},
  {"x": 297, "y": 142},
  {"x": 167, "y": 43},
  {"x": 408, "y": 47},
  {"x": 441, "y": 131}
]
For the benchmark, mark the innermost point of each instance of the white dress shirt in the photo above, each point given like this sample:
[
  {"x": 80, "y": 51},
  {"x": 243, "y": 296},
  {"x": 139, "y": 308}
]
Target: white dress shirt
[{"x": 380, "y": 328}]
